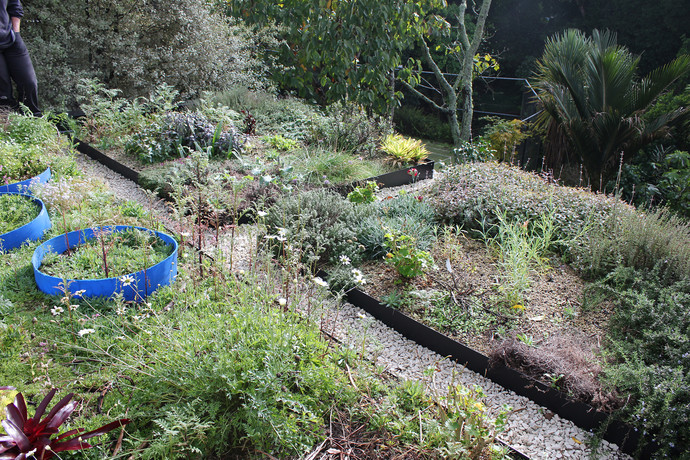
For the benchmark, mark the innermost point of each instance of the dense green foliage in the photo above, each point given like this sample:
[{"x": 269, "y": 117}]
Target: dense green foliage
[
  {"x": 594, "y": 101},
  {"x": 336, "y": 50},
  {"x": 29, "y": 145},
  {"x": 136, "y": 46},
  {"x": 15, "y": 211}
]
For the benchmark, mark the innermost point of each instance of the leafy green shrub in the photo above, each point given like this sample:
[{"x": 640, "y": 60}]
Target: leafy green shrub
[
  {"x": 404, "y": 151},
  {"x": 406, "y": 214},
  {"x": 657, "y": 176},
  {"x": 651, "y": 345},
  {"x": 279, "y": 142},
  {"x": 473, "y": 151},
  {"x": 364, "y": 194},
  {"x": 177, "y": 133},
  {"x": 414, "y": 122},
  {"x": 321, "y": 223},
  {"x": 637, "y": 240},
  {"x": 471, "y": 193},
  {"x": 403, "y": 254},
  {"x": 346, "y": 128},
  {"x": 503, "y": 136}
]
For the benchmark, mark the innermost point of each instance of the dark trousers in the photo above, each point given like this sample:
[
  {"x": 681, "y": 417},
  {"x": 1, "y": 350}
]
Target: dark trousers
[{"x": 15, "y": 64}]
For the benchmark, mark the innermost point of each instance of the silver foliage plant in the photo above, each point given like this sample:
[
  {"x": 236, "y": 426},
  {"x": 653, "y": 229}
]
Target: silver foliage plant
[{"x": 136, "y": 46}]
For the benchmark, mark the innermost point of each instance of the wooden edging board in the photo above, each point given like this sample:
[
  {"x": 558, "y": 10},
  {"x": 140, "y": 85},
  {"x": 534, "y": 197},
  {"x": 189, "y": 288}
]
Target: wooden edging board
[
  {"x": 581, "y": 414},
  {"x": 392, "y": 179}
]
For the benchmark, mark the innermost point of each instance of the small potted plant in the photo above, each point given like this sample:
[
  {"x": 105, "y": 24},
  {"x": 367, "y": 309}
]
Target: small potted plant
[
  {"x": 104, "y": 261},
  {"x": 22, "y": 218}
]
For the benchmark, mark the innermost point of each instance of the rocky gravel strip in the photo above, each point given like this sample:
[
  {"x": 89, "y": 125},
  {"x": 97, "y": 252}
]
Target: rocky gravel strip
[{"x": 531, "y": 428}]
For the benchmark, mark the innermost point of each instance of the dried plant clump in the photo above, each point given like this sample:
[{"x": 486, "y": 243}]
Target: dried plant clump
[{"x": 566, "y": 362}]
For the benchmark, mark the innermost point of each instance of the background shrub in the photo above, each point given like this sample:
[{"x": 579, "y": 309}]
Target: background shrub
[
  {"x": 347, "y": 128},
  {"x": 471, "y": 193},
  {"x": 135, "y": 46},
  {"x": 178, "y": 132},
  {"x": 322, "y": 223},
  {"x": 415, "y": 122},
  {"x": 289, "y": 117}
]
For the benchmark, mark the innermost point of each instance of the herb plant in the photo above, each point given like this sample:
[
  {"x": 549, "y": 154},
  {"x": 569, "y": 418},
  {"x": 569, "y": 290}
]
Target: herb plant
[{"x": 15, "y": 211}]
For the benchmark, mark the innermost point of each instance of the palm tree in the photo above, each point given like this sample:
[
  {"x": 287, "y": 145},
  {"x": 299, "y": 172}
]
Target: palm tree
[{"x": 593, "y": 101}]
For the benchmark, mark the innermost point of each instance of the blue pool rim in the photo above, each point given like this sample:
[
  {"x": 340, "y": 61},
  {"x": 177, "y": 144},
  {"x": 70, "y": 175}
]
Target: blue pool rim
[
  {"x": 25, "y": 185},
  {"x": 145, "y": 281},
  {"x": 32, "y": 231}
]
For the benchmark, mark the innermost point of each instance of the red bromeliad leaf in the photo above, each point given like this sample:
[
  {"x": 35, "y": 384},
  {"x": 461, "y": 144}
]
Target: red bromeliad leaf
[
  {"x": 60, "y": 416},
  {"x": 42, "y": 407},
  {"x": 17, "y": 435},
  {"x": 69, "y": 433},
  {"x": 72, "y": 444},
  {"x": 105, "y": 428},
  {"x": 14, "y": 415},
  {"x": 20, "y": 404},
  {"x": 63, "y": 402}
]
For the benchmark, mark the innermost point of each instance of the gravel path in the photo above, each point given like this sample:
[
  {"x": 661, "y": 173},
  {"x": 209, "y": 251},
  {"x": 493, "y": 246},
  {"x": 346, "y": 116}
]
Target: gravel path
[{"x": 531, "y": 428}]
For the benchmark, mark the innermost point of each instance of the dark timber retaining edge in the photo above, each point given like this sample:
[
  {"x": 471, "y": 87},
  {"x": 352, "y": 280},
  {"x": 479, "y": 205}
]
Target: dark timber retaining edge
[
  {"x": 392, "y": 179},
  {"x": 582, "y": 415},
  {"x": 104, "y": 159}
]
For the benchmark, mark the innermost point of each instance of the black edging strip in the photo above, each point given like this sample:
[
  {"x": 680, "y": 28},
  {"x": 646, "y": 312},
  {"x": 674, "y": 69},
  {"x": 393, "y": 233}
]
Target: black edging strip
[
  {"x": 102, "y": 158},
  {"x": 581, "y": 414}
]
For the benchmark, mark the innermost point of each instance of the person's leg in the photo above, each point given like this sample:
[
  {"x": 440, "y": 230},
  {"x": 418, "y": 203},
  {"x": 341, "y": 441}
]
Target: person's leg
[
  {"x": 22, "y": 72},
  {"x": 6, "y": 99}
]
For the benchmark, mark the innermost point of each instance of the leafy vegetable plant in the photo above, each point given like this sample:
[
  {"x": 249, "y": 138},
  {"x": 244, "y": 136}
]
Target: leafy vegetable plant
[{"x": 364, "y": 194}]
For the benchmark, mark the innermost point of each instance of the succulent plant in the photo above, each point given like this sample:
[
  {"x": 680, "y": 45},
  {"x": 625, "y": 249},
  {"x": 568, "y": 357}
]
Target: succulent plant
[{"x": 33, "y": 437}]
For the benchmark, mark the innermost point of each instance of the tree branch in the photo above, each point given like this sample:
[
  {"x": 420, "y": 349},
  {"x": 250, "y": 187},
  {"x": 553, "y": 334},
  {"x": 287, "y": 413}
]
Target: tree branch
[{"x": 427, "y": 99}]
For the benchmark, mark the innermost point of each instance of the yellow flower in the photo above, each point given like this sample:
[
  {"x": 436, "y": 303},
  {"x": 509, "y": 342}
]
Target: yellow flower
[
  {"x": 518, "y": 307},
  {"x": 389, "y": 255}
]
